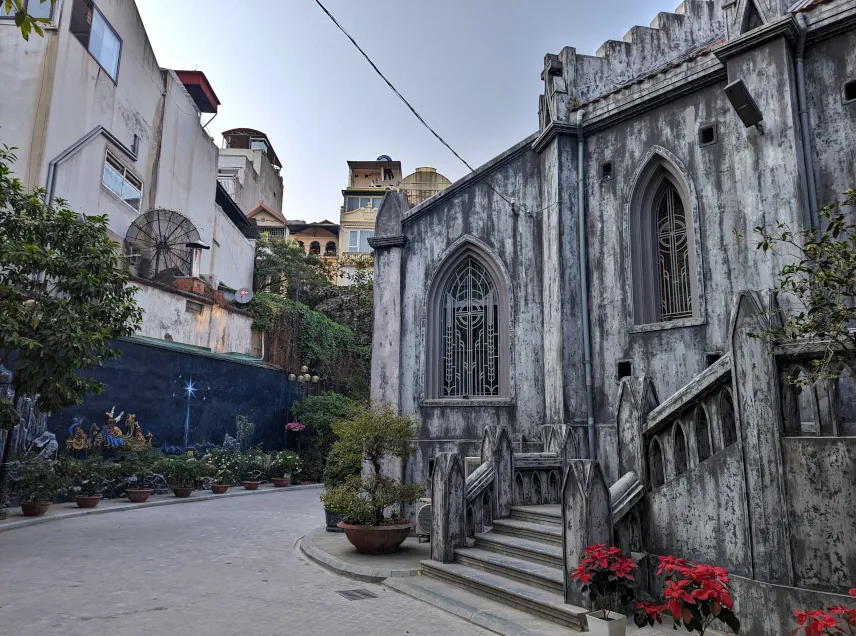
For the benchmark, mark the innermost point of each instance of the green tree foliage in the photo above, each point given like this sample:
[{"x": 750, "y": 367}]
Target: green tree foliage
[
  {"x": 373, "y": 435},
  {"x": 280, "y": 264},
  {"x": 63, "y": 298},
  {"x": 321, "y": 411},
  {"x": 24, "y": 20},
  {"x": 352, "y": 305},
  {"x": 818, "y": 286}
]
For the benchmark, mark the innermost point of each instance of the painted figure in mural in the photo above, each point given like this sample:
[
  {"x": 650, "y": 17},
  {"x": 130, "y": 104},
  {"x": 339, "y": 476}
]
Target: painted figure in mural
[
  {"x": 113, "y": 436},
  {"x": 96, "y": 439},
  {"x": 135, "y": 438},
  {"x": 77, "y": 442}
]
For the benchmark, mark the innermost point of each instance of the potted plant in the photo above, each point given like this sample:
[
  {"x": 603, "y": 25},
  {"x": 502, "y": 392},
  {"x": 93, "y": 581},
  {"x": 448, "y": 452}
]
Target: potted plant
[
  {"x": 372, "y": 504},
  {"x": 89, "y": 475},
  {"x": 696, "y": 595},
  {"x": 223, "y": 478},
  {"x": 134, "y": 469},
  {"x": 182, "y": 474},
  {"x": 285, "y": 464},
  {"x": 607, "y": 576},
  {"x": 340, "y": 465},
  {"x": 39, "y": 484},
  {"x": 251, "y": 468}
]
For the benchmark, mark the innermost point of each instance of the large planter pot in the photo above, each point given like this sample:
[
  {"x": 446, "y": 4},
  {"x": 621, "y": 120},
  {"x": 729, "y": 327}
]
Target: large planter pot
[
  {"x": 138, "y": 495},
  {"x": 615, "y": 625},
  {"x": 35, "y": 508},
  {"x": 376, "y": 539},
  {"x": 333, "y": 520},
  {"x": 182, "y": 492},
  {"x": 87, "y": 501},
  {"x": 251, "y": 485},
  {"x": 219, "y": 489},
  {"x": 281, "y": 482}
]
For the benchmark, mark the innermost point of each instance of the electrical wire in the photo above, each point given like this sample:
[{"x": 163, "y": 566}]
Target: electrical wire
[{"x": 406, "y": 103}]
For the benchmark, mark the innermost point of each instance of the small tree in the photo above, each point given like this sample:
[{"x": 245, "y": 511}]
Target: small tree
[
  {"x": 281, "y": 265},
  {"x": 352, "y": 305},
  {"x": 374, "y": 435},
  {"x": 818, "y": 286},
  {"x": 64, "y": 297}
]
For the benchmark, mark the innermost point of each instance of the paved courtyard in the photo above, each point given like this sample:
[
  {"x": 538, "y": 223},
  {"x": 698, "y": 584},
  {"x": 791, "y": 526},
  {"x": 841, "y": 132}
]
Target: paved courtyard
[{"x": 215, "y": 568}]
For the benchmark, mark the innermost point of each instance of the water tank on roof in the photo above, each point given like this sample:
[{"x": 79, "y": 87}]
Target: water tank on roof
[{"x": 384, "y": 158}]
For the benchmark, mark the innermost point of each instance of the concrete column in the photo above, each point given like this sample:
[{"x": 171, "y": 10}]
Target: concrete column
[
  {"x": 586, "y": 518},
  {"x": 448, "y": 490},
  {"x": 759, "y": 419},
  {"x": 388, "y": 244},
  {"x": 496, "y": 449}
]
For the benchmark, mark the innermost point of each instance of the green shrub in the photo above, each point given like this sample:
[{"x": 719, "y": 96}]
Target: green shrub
[
  {"x": 284, "y": 464},
  {"x": 182, "y": 472},
  {"x": 92, "y": 476},
  {"x": 373, "y": 435},
  {"x": 320, "y": 411},
  {"x": 250, "y": 465},
  {"x": 39, "y": 481},
  {"x": 340, "y": 465}
]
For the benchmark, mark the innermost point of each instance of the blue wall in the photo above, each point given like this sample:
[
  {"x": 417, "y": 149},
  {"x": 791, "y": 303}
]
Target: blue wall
[{"x": 150, "y": 380}]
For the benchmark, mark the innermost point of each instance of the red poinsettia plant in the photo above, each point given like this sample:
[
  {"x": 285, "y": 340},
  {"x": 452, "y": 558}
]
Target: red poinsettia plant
[
  {"x": 834, "y": 621},
  {"x": 696, "y": 594},
  {"x": 607, "y": 577}
]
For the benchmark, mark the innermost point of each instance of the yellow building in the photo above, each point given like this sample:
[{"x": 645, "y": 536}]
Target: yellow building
[{"x": 368, "y": 181}]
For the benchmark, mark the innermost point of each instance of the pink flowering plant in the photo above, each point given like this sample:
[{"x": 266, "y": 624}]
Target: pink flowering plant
[
  {"x": 833, "y": 621},
  {"x": 607, "y": 576},
  {"x": 696, "y": 595},
  {"x": 294, "y": 426}
]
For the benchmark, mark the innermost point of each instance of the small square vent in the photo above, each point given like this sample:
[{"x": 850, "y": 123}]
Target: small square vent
[
  {"x": 707, "y": 135},
  {"x": 850, "y": 91}
]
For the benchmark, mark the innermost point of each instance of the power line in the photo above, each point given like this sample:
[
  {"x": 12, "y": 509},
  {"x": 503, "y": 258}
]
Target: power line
[{"x": 406, "y": 103}]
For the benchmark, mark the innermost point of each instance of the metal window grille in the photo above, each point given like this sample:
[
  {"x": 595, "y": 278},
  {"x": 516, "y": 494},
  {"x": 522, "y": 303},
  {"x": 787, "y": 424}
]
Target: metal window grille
[
  {"x": 675, "y": 290},
  {"x": 469, "y": 331}
]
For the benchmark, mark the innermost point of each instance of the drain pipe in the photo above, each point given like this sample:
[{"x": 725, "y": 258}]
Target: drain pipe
[
  {"x": 581, "y": 209},
  {"x": 805, "y": 125}
]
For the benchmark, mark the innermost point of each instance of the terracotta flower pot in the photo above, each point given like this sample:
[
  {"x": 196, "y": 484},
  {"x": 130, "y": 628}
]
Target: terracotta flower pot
[
  {"x": 219, "y": 489},
  {"x": 615, "y": 625},
  {"x": 87, "y": 501},
  {"x": 35, "y": 508},
  {"x": 182, "y": 492},
  {"x": 251, "y": 485},
  {"x": 376, "y": 539},
  {"x": 281, "y": 482},
  {"x": 138, "y": 495}
]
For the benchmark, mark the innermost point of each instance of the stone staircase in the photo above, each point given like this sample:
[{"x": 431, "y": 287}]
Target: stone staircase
[{"x": 518, "y": 562}]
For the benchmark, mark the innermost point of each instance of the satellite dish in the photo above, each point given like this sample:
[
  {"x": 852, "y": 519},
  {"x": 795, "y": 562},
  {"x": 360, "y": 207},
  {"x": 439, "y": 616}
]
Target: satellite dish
[
  {"x": 384, "y": 158},
  {"x": 243, "y": 296},
  {"x": 158, "y": 241}
]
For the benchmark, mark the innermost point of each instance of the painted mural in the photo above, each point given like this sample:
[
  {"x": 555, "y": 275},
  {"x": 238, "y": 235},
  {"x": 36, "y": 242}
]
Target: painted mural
[{"x": 175, "y": 400}]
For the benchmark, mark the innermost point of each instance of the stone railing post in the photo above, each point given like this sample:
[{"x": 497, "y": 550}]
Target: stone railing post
[
  {"x": 448, "y": 491},
  {"x": 757, "y": 407},
  {"x": 586, "y": 519},
  {"x": 496, "y": 449}
]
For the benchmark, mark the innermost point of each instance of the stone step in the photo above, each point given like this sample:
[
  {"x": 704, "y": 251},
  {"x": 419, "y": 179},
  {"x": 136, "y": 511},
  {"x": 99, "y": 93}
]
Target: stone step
[
  {"x": 546, "y": 533},
  {"x": 532, "y": 573},
  {"x": 546, "y": 514},
  {"x": 541, "y": 603},
  {"x": 525, "y": 549}
]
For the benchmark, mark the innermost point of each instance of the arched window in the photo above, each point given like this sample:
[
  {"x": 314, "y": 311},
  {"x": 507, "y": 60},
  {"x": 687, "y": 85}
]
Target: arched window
[
  {"x": 726, "y": 417},
  {"x": 655, "y": 464},
  {"x": 330, "y": 248},
  {"x": 467, "y": 353},
  {"x": 315, "y": 247},
  {"x": 680, "y": 444},
  {"x": 702, "y": 435},
  {"x": 662, "y": 246}
]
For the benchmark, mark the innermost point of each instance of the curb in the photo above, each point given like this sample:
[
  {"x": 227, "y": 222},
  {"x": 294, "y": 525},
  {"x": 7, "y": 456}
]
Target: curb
[
  {"x": 336, "y": 565},
  {"x": 80, "y": 512}
]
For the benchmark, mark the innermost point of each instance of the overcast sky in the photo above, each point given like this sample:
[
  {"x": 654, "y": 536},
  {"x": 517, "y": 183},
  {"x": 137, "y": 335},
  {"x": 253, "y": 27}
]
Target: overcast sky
[{"x": 470, "y": 67}]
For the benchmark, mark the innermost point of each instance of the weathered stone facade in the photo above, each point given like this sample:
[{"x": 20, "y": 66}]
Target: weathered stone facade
[{"x": 732, "y": 472}]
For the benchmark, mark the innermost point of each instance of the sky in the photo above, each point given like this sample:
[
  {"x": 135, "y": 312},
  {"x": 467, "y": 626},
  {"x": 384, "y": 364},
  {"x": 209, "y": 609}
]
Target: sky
[{"x": 470, "y": 67}]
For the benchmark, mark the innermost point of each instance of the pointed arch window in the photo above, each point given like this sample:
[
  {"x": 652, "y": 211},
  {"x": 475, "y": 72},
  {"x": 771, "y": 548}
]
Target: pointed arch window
[
  {"x": 467, "y": 356},
  {"x": 663, "y": 260}
]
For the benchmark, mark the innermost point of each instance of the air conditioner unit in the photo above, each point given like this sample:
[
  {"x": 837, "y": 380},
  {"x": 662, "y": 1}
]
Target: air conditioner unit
[
  {"x": 423, "y": 518},
  {"x": 470, "y": 465}
]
